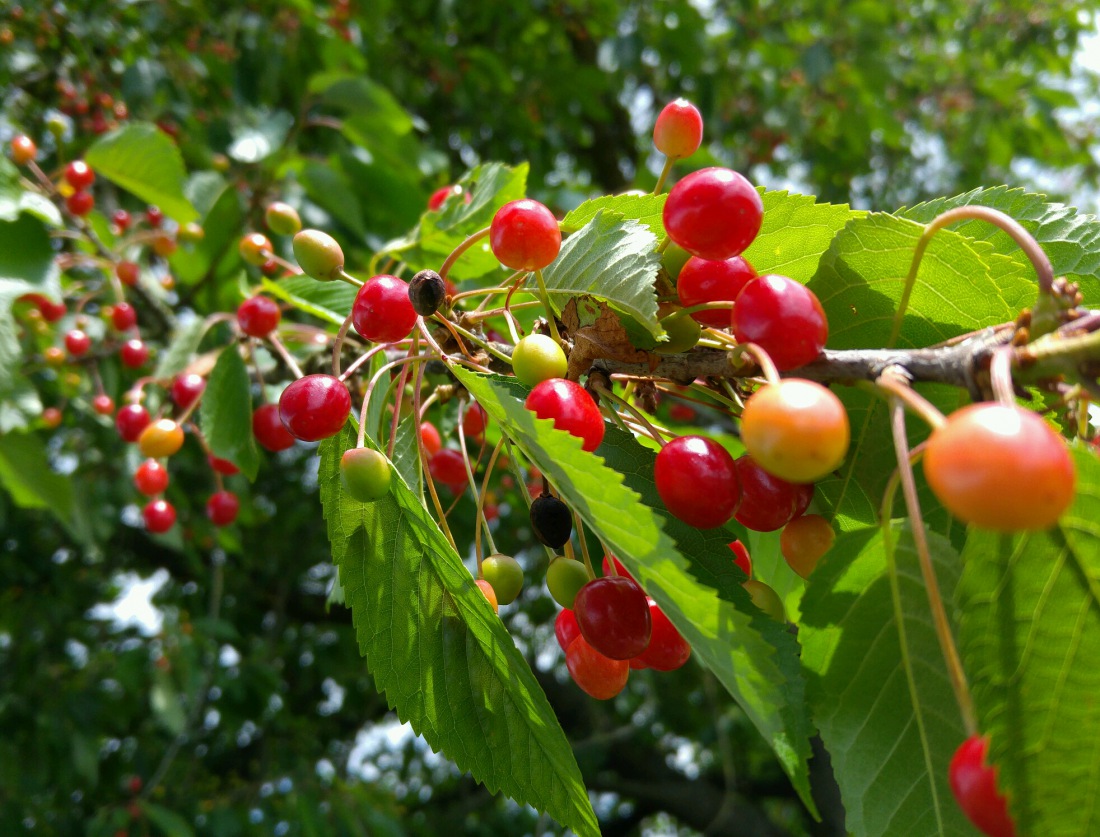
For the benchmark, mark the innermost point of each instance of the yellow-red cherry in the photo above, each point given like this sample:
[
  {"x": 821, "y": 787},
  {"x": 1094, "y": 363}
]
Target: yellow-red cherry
[
  {"x": 678, "y": 131},
  {"x": 255, "y": 248},
  {"x": 23, "y": 150},
  {"x": 596, "y": 674},
  {"x": 804, "y": 540},
  {"x": 161, "y": 438}
]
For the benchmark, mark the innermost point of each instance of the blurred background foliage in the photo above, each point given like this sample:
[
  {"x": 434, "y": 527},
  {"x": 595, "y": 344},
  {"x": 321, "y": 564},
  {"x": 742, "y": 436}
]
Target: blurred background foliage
[{"x": 243, "y": 706}]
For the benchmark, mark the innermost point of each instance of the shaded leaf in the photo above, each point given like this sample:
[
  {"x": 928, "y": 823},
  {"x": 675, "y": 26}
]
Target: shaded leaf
[
  {"x": 226, "y": 412},
  {"x": 166, "y": 821},
  {"x": 141, "y": 159},
  {"x": 26, "y": 475},
  {"x": 179, "y": 352}
]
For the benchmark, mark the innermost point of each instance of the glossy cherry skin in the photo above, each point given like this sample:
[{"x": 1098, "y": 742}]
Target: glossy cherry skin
[
  {"x": 128, "y": 273},
  {"x": 319, "y": 255},
  {"x": 1000, "y": 467},
  {"x": 77, "y": 342},
  {"x": 741, "y": 557},
  {"x": 767, "y": 502},
  {"x": 714, "y": 214},
  {"x": 974, "y": 783},
  {"x": 804, "y": 540},
  {"x": 222, "y": 508},
  {"x": 282, "y": 218},
  {"x": 566, "y": 628},
  {"x": 551, "y": 520},
  {"x": 130, "y": 421},
  {"x": 474, "y": 420},
  {"x": 133, "y": 353},
  {"x": 430, "y": 437},
  {"x": 795, "y": 429},
  {"x": 103, "y": 404},
  {"x": 186, "y": 389},
  {"x": 268, "y": 429},
  {"x": 490, "y": 594},
  {"x": 153, "y": 216},
  {"x": 506, "y": 576},
  {"x": 23, "y": 150},
  {"x": 571, "y": 408},
  {"x": 678, "y": 131},
  {"x": 564, "y": 579},
  {"x": 151, "y": 478},
  {"x": 524, "y": 235},
  {"x": 614, "y": 616},
  {"x": 667, "y": 650},
  {"x": 51, "y": 417},
  {"x": 448, "y": 467},
  {"x": 255, "y": 248},
  {"x": 123, "y": 316},
  {"x": 783, "y": 317},
  {"x": 80, "y": 203},
  {"x": 315, "y": 407},
  {"x": 161, "y": 438},
  {"x": 702, "y": 281},
  {"x": 596, "y": 674},
  {"x": 382, "y": 312},
  {"x": 222, "y": 466},
  {"x": 697, "y": 481},
  {"x": 537, "y": 358},
  {"x": 365, "y": 474},
  {"x": 79, "y": 175},
  {"x": 258, "y": 316},
  {"x": 159, "y": 516}
]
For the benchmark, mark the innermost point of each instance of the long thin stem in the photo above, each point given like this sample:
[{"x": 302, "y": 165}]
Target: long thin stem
[
  {"x": 473, "y": 488},
  {"x": 656, "y": 434},
  {"x": 894, "y": 382},
  {"x": 481, "y": 506},
  {"x": 545, "y": 297},
  {"x": 338, "y": 346},
  {"x": 660, "y": 187},
  {"x": 1000, "y": 375},
  {"x": 578, "y": 524},
  {"x": 761, "y": 358},
  {"x": 291, "y": 364},
  {"x": 413, "y": 355},
  {"x": 460, "y": 249}
]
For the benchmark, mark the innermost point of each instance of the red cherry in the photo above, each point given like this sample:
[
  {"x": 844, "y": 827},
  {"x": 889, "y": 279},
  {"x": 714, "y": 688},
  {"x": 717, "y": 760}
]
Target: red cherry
[
  {"x": 382, "y": 312},
  {"x": 258, "y": 316},
  {"x": 613, "y": 615},
  {"x": 122, "y": 220},
  {"x": 783, "y": 317},
  {"x": 23, "y": 150},
  {"x": 51, "y": 417},
  {"x": 127, "y": 273},
  {"x": 974, "y": 783},
  {"x": 133, "y": 353},
  {"x": 713, "y": 213},
  {"x": 151, "y": 478},
  {"x": 79, "y": 175},
  {"x": 439, "y": 197},
  {"x": 433, "y": 443},
  {"x": 222, "y": 466},
  {"x": 103, "y": 404},
  {"x": 474, "y": 420},
  {"x": 678, "y": 130},
  {"x": 597, "y": 675},
  {"x": 268, "y": 428},
  {"x": 130, "y": 421},
  {"x": 51, "y": 311},
  {"x": 160, "y": 516},
  {"x": 697, "y": 480},
  {"x": 767, "y": 503},
  {"x": 571, "y": 408},
  {"x": 315, "y": 407},
  {"x": 77, "y": 342},
  {"x": 566, "y": 628},
  {"x": 703, "y": 281},
  {"x": 123, "y": 316},
  {"x": 741, "y": 557},
  {"x": 524, "y": 235},
  {"x": 448, "y": 467},
  {"x": 682, "y": 413},
  {"x": 153, "y": 216},
  {"x": 186, "y": 389},
  {"x": 667, "y": 650},
  {"x": 222, "y": 508},
  {"x": 80, "y": 203}
]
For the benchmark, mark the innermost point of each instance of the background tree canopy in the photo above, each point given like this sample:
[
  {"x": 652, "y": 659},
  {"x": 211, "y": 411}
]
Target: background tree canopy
[{"x": 247, "y": 707}]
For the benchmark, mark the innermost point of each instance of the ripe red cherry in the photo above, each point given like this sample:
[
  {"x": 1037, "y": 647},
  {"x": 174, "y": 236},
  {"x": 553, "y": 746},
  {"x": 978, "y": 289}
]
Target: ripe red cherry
[
  {"x": 103, "y": 404},
  {"x": 433, "y": 443},
  {"x": 697, "y": 481},
  {"x": 667, "y": 650},
  {"x": 127, "y": 273},
  {"x": 783, "y": 317},
  {"x": 974, "y": 783},
  {"x": 474, "y": 420},
  {"x": 571, "y": 408},
  {"x": 703, "y": 281},
  {"x": 151, "y": 478},
  {"x": 153, "y": 216},
  {"x": 77, "y": 342},
  {"x": 439, "y": 197},
  {"x": 130, "y": 421},
  {"x": 315, "y": 407},
  {"x": 596, "y": 674},
  {"x": 566, "y": 628},
  {"x": 222, "y": 466},
  {"x": 268, "y": 428},
  {"x": 804, "y": 540},
  {"x": 382, "y": 312},
  {"x": 767, "y": 502},
  {"x": 258, "y": 316},
  {"x": 123, "y": 316},
  {"x": 51, "y": 311},
  {"x": 133, "y": 353},
  {"x": 524, "y": 235},
  {"x": 222, "y": 508},
  {"x": 678, "y": 130},
  {"x": 1000, "y": 467},
  {"x": 186, "y": 389},
  {"x": 23, "y": 150},
  {"x": 714, "y": 213},
  {"x": 122, "y": 220},
  {"x": 80, "y": 203},
  {"x": 741, "y": 557},
  {"x": 448, "y": 467},
  {"x": 79, "y": 175},
  {"x": 51, "y": 417},
  {"x": 613, "y": 615},
  {"x": 160, "y": 516}
]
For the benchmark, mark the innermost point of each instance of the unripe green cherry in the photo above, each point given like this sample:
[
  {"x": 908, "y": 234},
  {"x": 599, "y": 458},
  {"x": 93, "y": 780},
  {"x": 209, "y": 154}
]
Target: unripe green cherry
[
  {"x": 282, "y": 219},
  {"x": 506, "y": 576},
  {"x": 538, "y": 358},
  {"x": 765, "y": 598},
  {"x": 673, "y": 259},
  {"x": 683, "y": 332},
  {"x": 365, "y": 474},
  {"x": 564, "y": 579},
  {"x": 319, "y": 255}
]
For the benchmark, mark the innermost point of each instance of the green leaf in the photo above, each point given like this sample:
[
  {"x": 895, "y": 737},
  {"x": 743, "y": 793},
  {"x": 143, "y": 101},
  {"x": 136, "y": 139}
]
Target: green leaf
[
  {"x": 141, "y": 159},
  {"x": 226, "y": 412},
  {"x": 259, "y": 134},
  {"x": 442, "y": 657},
  {"x": 645, "y": 209},
  {"x": 406, "y": 454},
  {"x": 611, "y": 258},
  {"x": 754, "y": 658},
  {"x": 16, "y": 200},
  {"x": 329, "y": 301},
  {"x": 878, "y": 685},
  {"x": 180, "y": 351},
  {"x": 1029, "y": 637},
  {"x": 26, "y": 256},
  {"x": 26, "y": 475},
  {"x": 166, "y": 821}
]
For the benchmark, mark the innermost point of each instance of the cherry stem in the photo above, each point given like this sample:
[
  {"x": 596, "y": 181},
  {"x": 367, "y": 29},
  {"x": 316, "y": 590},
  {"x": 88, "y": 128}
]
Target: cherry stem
[
  {"x": 285, "y": 355},
  {"x": 481, "y": 507},
  {"x": 660, "y": 187},
  {"x": 338, "y": 346},
  {"x": 545, "y": 297},
  {"x": 1000, "y": 375},
  {"x": 413, "y": 355},
  {"x": 470, "y": 241},
  {"x": 344, "y": 276},
  {"x": 895, "y": 382},
  {"x": 653, "y": 432},
  {"x": 703, "y": 306},
  {"x": 578, "y": 524},
  {"x": 423, "y": 457},
  {"x": 920, "y": 540},
  {"x": 446, "y": 358},
  {"x": 382, "y": 370},
  {"x": 473, "y": 338},
  {"x": 759, "y": 356},
  {"x": 477, "y": 497},
  {"x": 359, "y": 361}
]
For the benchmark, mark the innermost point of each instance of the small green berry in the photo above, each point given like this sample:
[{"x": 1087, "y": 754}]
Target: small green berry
[
  {"x": 765, "y": 598},
  {"x": 282, "y": 219},
  {"x": 564, "y": 579},
  {"x": 505, "y": 574},
  {"x": 365, "y": 474},
  {"x": 538, "y": 358},
  {"x": 683, "y": 332},
  {"x": 319, "y": 255}
]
